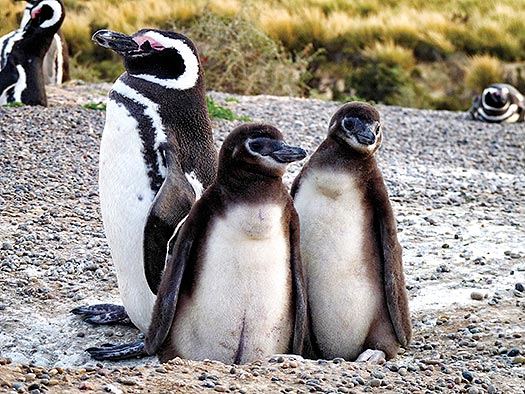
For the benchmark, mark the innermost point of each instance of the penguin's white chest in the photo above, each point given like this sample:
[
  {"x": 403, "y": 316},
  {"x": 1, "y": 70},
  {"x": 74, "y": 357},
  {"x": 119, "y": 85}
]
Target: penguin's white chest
[
  {"x": 243, "y": 296},
  {"x": 125, "y": 199},
  {"x": 335, "y": 231}
]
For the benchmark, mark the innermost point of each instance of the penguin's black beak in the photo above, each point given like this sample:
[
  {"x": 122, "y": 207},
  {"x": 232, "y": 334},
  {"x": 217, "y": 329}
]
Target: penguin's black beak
[
  {"x": 287, "y": 154},
  {"x": 118, "y": 42},
  {"x": 276, "y": 149},
  {"x": 364, "y": 132}
]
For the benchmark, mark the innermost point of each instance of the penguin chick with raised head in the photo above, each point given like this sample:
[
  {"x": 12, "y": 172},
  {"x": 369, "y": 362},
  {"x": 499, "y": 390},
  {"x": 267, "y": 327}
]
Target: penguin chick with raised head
[
  {"x": 233, "y": 289},
  {"x": 157, "y": 155},
  {"x": 21, "y": 75},
  {"x": 356, "y": 291}
]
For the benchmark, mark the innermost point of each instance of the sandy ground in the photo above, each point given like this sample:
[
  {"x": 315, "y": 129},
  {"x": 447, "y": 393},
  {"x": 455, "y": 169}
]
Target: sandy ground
[{"x": 457, "y": 188}]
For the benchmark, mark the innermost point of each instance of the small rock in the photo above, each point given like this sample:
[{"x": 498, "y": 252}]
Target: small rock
[
  {"x": 379, "y": 375},
  {"x": 519, "y": 287},
  {"x": 477, "y": 295},
  {"x": 518, "y": 360},
  {"x": 375, "y": 383},
  {"x": 220, "y": 389},
  {"x": 467, "y": 375},
  {"x": 513, "y": 352},
  {"x": 30, "y": 377},
  {"x": 473, "y": 390}
]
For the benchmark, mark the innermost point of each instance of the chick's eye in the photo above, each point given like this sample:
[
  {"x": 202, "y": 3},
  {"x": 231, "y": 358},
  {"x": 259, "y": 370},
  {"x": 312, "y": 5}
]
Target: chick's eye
[
  {"x": 256, "y": 146},
  {"x": 349, "y": 123}
]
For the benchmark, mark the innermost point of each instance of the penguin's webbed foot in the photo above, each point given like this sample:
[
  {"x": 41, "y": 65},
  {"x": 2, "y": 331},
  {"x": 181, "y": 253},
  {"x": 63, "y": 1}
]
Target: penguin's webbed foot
[
  {"x": 103, "y": 314},
  {"x": 372, "y": 356},
  {"x": 118, "y": 352}
]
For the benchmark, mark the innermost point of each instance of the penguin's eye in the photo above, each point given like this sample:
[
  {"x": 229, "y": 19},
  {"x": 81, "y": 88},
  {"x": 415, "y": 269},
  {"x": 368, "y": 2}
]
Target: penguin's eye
[
  {"x": 349, "y": 123},
  {"x": 256, "y": 145}
]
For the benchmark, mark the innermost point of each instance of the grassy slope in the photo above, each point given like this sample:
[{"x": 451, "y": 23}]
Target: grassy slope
[{"x": 426, "y": 42}]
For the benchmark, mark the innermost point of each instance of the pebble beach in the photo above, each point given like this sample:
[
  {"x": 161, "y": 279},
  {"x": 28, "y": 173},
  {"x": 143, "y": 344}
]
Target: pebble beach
[{"x": 458, "y": 191}]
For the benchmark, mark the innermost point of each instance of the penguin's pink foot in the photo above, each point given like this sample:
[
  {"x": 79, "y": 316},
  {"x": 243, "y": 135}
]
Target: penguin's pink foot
[
  {"x": 372, "y": 356},
  {"x": 103, "y": 314}
]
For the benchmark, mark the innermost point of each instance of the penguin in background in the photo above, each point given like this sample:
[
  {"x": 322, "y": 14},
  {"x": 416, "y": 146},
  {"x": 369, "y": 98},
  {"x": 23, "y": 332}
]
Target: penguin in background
[
  {"x": 56, "y": 61},
  {"x": 157, "y": 156},
  {"x": 22, "y": 78},
  {"x": 357, "y": 300},
  {"x": 498, "y": 103},
  {"x": 233, "y": 290}
]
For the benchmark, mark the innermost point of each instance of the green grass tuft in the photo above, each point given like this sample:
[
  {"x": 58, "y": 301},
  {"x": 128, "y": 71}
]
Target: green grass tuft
[
  {"x": 218, "y": 112},
  {"x": 14, "y": 104},
  {"x": 96, "y": 106}
]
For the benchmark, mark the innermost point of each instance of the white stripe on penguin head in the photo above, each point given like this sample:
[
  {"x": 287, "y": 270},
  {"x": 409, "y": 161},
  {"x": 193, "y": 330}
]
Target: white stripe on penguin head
[
  {"x": 189, "y": 77},
  {"x": 57, "y": 12}
]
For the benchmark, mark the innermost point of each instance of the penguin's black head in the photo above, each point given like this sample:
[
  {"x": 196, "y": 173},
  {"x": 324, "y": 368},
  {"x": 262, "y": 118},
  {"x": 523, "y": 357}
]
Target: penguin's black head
[
  {"x": 44, "y": 15},
  {"x": 163, "y": 57},
  {"x": 358, "y": 126},
  {"x": 496, "y": 96},
  {"x": 257, "y": 148}
]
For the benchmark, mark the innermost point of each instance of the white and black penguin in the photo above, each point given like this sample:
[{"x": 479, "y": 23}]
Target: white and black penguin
[
  {"x": 157, "y": 156},
  {"x": 233, "y": 290},
  {"x": 56, "y": 61},
  {"x": 499, "y": 103},
  {"x": 22, "y": 75},
  {"x": 357, "y": 299}
]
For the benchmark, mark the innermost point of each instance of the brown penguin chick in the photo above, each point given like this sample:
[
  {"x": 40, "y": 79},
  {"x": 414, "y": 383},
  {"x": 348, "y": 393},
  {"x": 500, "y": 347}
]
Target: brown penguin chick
[
  {"x": 233, "y": 289},
  {"x": 357, "y": 300}
]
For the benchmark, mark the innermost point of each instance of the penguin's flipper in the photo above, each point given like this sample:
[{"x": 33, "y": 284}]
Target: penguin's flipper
[
  {"x": 178, "y": 266},
  {"x": 394, "y": 279},
  {"x": 301, "y": 332},
  {"x": 170, "y": 206},
  {"x": 473, "y": 110},
  {"x": 103, "y": 314},
  {"x": 8, "y": 78},
  {"x": 118, "y": 352}
]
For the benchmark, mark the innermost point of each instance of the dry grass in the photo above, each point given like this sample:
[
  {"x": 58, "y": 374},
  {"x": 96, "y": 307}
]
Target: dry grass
[
  {"x": 482, "y": 71},
  {"x": 405, "y": 33}
]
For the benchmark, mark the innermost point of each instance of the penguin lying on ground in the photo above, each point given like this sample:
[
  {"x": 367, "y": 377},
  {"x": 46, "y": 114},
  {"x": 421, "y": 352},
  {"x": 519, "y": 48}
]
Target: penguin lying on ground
[
  {"x": 56, "y": 61},
  {"x": 499, "y": 103},
  {"x": 233, "y": 289},
  {"x": 22, "y": 77},
  {"x": 356, "y": 291},
  {"x": 156, "y": 157}
]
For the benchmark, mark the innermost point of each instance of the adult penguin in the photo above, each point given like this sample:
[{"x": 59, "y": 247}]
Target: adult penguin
[
  {"x": 352, "y": 258},
  {"x": 56, "y": 61},
  {"x": 157, "y": 155},
  {"x": 22, "y": 78},
  {"x": 499, "y": 103}
]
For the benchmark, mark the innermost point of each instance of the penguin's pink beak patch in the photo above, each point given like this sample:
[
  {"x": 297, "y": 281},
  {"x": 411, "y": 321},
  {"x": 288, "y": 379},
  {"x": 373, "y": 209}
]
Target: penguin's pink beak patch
[
  {"x": 151, "y": 43},
  {"x": 35, "y": 13}
]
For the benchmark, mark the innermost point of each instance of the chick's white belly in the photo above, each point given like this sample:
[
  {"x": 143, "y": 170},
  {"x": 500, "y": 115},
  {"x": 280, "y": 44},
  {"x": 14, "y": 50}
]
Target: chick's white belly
[
  {"x": 125, "y": 199},
  {"x": 243, "y": 290},
  {"x": 343, "y": 297}
]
